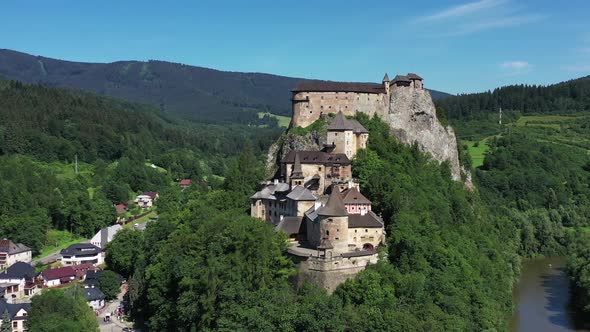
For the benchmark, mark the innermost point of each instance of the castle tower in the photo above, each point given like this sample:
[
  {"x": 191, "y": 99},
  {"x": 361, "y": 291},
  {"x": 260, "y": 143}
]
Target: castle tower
[
  {"x": 386, "y": 83},
  {"x": 341, "y": 134},
  {"x": 333, "y": 220},
  {"x": 297, "y": 177}
]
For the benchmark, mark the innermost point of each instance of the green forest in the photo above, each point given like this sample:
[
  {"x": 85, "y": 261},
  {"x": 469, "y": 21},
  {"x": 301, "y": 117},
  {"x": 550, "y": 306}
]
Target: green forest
[
  {"x": 452, "y": 254},
  {"x": 44, "y": 130}
]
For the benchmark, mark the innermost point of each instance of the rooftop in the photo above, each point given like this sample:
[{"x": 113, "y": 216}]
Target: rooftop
[
  {"x": 316, "y": 157},
  {"x": 334, "y": 207},
  {"x": 369, "y": 220},
  {"x": 18, "y": 270},
  {"x": 290, "y": 225},
  {"x": 81, "y": 249},
  {"x": 331, "y": 86},
  {"x": 13, "y": 309},
  {"x": 353, "y": 196},
  {"x": 341, "y": 123},
  {"x": 300, "y": 193},
  {"x": 52, "y": 274},
  {"x": 11, "y": 248}
]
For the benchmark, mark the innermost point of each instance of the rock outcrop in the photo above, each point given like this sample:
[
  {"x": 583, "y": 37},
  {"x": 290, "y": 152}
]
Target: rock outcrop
[{"x": 412, "y": 118}]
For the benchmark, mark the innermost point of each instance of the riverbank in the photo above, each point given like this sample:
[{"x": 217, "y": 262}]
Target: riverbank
[{"x": 542, "y": 296}]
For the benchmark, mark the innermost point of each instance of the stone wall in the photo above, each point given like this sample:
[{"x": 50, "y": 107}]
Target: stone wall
[
  {"x": 361, "y": 236},
  {"x": 328, "y": 273},
  {"x": 309, "y": 106}
]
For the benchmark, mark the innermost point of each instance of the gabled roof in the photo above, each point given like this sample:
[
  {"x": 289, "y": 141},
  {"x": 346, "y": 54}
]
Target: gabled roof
[
  {"x": 400, "y": 78},
  {"x": 52, "y": 274},
  {"x": 13, "y": 308},
  {"x": 121, "y": 208},
  {"x": 335, "y": 206},
  {"x": 80, "y": 249},
  {"x": 316, "y": 157},
  {"x": 331, "y": 86},
  {"x": 369, "y": 220},
  {"x": 353, "y": 196},
  {"x": 340, "y": 122},
  {"x": 151, "y": 194},
  {"x": 185, "y": 182},
  {"x": 385, "y": 78},
  {"x": 269, "y": 191},
  {"x": 93, "y": 294},
  {"x": 11, "y": 248},
  {"x": 300, "y": 193},
  {"x": 413, "y": 76},
  {"x": 18, "y": 270}
]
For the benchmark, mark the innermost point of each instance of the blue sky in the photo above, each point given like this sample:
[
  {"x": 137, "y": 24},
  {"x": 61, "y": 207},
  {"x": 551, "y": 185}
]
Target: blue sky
[{"x": 457, "y": 46}]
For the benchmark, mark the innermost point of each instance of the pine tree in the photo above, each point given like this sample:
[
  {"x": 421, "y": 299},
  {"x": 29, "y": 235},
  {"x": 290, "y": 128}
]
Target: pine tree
[{"x": 6, "y": 325}]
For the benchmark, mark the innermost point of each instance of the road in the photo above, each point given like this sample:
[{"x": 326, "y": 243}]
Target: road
[{"x": 114, "y": 325}]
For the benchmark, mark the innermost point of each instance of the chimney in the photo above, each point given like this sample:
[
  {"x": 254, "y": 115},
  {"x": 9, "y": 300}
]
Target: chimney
[
  {"x": 276, "y": 181},
  {"x": 363, "y": 211},
  {"x": 350, "y": 184}
]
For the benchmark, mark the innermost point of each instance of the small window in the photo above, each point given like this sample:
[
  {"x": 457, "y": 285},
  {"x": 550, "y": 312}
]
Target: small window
[
  {"x": 322, "y": 97},
  {"x": 328, "y": 233},
  {"x": 366, "y": 230}
]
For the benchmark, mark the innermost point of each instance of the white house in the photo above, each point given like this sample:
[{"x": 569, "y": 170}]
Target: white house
[
  {"x": 144, "y": 201},
  {"x": 105, "y": 236},
  {"x": 11, "y": 253},
  {"x": 17, "y": 314},
  {"x": 94, "y": 297},
  {"x": 81, "y": 253},
  {"x": 18, "y": 281}
]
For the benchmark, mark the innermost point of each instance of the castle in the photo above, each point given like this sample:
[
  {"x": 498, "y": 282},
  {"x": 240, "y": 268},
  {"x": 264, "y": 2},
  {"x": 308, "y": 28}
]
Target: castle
[
  {"x": 316, "y": 202},
  {"x": 311, "y": 100}
]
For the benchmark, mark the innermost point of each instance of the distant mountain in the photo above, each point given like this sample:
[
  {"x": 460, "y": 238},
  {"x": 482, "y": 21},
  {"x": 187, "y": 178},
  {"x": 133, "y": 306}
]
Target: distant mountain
[
  {"x": 568, "y": 96},
  {"x": 194, "y": 93}
]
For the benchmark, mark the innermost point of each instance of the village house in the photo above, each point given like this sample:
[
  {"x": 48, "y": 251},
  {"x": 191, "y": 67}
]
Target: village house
[
  {"x": 105, "y": 235},
  {"x": 94, "y": 297},
  {"x": 81, "y": 253},
  {"x": 17, "y": 313},
  {"x": 121, "y": 208},
  {"x": 18, "y": 281},
  {"x": 58, "y": 276},
  {"x": 11, "y": 253},
  {"x": 184, "y": 183}
]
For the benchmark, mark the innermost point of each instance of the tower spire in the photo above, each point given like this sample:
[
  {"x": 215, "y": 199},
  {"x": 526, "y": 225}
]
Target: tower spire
[{"x": 297, "y": 171}]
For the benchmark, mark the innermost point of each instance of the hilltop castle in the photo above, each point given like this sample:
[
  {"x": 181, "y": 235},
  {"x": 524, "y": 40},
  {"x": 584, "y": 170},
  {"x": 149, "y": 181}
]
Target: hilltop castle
[
  {"x": 316, "y": 202},
  {"x": 313, "y": 99}
]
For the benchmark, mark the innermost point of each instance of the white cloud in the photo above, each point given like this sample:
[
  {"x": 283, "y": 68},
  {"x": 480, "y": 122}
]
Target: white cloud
[
  {"x": 511, "y": 68},
  {"x": 515, "y": 65},
  {"x": 462, "y": 10},
  {"x": 497, "y": 23}
]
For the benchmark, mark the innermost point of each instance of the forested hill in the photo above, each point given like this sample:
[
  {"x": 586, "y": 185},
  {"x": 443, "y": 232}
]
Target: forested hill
[
  {"x": 196, "y": 93},
  {"x": 573, "y": 95}
]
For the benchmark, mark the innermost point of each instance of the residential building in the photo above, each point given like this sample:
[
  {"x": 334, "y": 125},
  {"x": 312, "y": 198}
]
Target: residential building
[
  {"x": 18, "y": 281},
  {"x": 59, "y": 276},
  {"x": 105, "y": 235},
  {"x": 184, "y": 183},
  {"x": 11, "y": 253},
  {"x": 121, "y": 208},
  {"x": 144, "y": 201},
  {"x": 81, "y": 253},
  {"x": 18, "y": 313},
  {"x": 94, "y": 297}
]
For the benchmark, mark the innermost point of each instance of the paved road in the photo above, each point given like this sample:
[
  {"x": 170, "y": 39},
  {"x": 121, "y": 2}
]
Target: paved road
[{"x": 114, "y": 325}]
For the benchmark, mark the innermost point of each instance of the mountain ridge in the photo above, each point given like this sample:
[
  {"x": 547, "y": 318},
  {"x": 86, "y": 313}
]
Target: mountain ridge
[{"x": 193, "y": 92}]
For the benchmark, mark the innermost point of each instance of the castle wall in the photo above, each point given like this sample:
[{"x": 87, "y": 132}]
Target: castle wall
[
  {"x": 335, "y": 231},
  {"x": 328, "y": 174},
  {"x": 331, "y": 272},
  {"x": 361, "y": 236},
  {"x": 309, "y": 106}
]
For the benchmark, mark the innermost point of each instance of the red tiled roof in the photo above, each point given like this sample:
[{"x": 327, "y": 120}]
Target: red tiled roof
[
  {"x": 62, "y": 272},
  {"x": 152, "y": 194},
  {"x": 185, "y": 182},
  {"x": 121, "y": 208}
]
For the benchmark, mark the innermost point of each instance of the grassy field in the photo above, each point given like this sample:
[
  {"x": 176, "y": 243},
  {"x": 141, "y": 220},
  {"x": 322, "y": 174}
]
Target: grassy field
[
  {"x": 283, "y": 120},
  {"x": 66, "y": 170},
  {"x": 57, "y": 240},
  {"x": 478, "y": 152}
]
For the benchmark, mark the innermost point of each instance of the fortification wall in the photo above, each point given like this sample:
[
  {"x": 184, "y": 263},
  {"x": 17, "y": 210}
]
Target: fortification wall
[
  {"x": 309, "y": 106},
  {"x": 328, "y": 273}
]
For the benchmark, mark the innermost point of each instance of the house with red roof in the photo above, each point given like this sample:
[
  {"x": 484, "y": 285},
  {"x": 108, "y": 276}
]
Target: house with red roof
[
  {"x": 59, "y": 276},
  {"x": 121, "y": 208},
  {"x": 185, "y": 183}
]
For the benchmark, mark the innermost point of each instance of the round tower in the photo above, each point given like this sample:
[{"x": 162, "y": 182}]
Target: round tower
[{"x": 333, "y": 220}]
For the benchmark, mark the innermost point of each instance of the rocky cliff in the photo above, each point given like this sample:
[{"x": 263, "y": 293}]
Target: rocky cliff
[{"x": 412, "y": 118}]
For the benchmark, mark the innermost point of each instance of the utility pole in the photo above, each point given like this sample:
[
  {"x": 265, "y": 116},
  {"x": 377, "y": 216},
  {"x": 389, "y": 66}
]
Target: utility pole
[
  {"x": 500, "y": 122},
  {"x": 76, "y": 164}
]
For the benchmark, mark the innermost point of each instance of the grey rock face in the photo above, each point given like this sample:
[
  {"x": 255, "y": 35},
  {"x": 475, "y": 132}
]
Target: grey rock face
[{"x": 412, "y": 118}]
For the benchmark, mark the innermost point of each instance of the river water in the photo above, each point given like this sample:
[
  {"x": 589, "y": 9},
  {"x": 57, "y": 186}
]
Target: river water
[{"x": 542, "y": 296}]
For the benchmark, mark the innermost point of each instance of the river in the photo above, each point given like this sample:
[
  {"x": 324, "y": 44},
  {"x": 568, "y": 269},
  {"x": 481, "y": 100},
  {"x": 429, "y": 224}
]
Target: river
[{"x": 542, "y": 296}]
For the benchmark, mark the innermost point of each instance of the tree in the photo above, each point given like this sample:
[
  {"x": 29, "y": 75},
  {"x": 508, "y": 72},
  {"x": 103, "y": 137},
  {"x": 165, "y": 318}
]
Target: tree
[
  {"x": 6, "y": 325},
  {"x": 123, "y": 251},
  {"x": 110, "y": 284},
  {"x": 55, "y": 311}
]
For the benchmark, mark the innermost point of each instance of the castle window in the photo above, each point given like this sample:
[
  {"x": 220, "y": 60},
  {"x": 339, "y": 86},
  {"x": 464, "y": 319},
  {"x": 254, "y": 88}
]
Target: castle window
[
  {"x": 310, "y": 111},
  {"x": 322, "y": 107},
  {"x": 337, "y": 230},
  {"x": 322, "y": 97},
  {"x": 329, "y": 106},
  {"x": 345, "y": 106},
  {"x": 337, "y": 238},
  {"x": 355, "y": 232},
  {"x": 366, "y": 230},
  {"x": 328, "y": 233}
]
